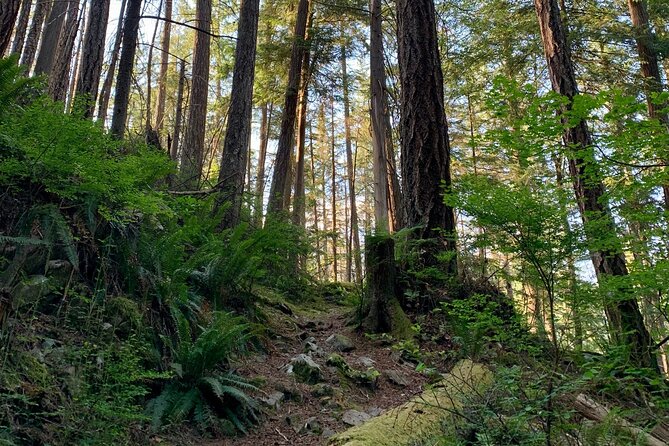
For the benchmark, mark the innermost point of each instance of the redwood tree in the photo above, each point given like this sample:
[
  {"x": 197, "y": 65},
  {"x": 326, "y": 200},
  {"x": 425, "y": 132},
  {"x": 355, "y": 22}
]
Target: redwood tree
[{"x": 9, "y": 10}]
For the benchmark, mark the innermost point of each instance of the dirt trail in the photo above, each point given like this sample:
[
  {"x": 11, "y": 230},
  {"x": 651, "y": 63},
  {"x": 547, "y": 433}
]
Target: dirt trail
[{"x": 308, "y": 414}]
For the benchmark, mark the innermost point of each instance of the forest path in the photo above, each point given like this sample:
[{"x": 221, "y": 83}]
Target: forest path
[{"x": 299, "y": 413}]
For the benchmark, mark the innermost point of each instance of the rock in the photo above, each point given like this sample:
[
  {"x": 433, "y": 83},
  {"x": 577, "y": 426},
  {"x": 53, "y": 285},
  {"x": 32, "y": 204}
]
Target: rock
[
  {"x": 305, "y": 369},
  {"x": 59, "y": 272},
  {"x": 294, "y": 422},
  {"x": 374, "y": 411},
  {"x": 366, "y": 362},
  {"x": 354, "y": 417},
  {"x": 29, "y": 291},
  {"x": 369, "y": 377},
  {"x": 273, "y": 400},
  {"x": 327, "y": 432},
  {"x": 310, "y": 346},
  {"x": 340, "y": 343},
  {"x": 311, "y": 426},
  {"x": 321, "y": 390},
  {"x": 397, "y": 378}
]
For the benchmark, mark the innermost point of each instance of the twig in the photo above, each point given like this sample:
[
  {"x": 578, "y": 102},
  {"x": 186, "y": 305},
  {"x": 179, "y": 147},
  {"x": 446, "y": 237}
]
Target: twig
[{"x": 284, "y": 437}]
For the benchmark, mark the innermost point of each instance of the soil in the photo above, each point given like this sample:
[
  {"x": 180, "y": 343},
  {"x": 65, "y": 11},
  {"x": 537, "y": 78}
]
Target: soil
[{"x": 285, "y": 424}]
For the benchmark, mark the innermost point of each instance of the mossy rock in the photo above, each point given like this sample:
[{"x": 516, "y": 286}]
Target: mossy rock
[
  {"x": 434, "y": 413},
  {"x": 369, "y": 377}
]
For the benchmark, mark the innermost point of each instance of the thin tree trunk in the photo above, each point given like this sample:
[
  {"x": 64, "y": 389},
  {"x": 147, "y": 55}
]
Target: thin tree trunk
[
  {"x": 21, "y": 27},
  {"x": 148, "y": 129},
  {"x": 30, "y": 46},
  {"x": 164, "y": 65},
  {"x": 426, "y": 171},
  {"x": 75, "y": 70},
  {"x": 178, "y": 115},
  {"x": 355, "y": 236},
  {"x": 265, "y": 126},
  {"x": 125, "y": 67},
  {"x": 333, "y": 185},
  {"x": 378, "y": 117},
  {"x": 622, "y": 310},
  {"x": 51, "y": 37},
  {"x": 238, "y": 134},
  {"x": 109, "y": 78},
  {"x": 192, "y": 154},
  {"x": 9, "y": 11},
  {"x": 282, "y": 164},
  {"x": 314, "y": 188},
  {"x": 90, "y": 69},
  {"x": 60, "y": 71}
]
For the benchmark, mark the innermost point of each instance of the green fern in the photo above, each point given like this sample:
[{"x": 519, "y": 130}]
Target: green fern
[{"x": 12, "y": 82}]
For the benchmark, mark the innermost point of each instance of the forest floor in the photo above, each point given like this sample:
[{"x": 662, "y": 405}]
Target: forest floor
[{"x": 299, "y": 413}]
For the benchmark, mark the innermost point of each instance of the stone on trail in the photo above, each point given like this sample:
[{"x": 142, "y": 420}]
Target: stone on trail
[
  {"x": 340, "y": 343},
  {"x": 273, "y": 400},
  {"x": 396, "y": 378},
  {"x": 305, "y": 369},
  {"x": 355, "y": 417}
]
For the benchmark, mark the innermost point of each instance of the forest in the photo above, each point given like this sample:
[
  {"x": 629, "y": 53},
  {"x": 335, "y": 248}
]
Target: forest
[{"x": 336, "y": 222}]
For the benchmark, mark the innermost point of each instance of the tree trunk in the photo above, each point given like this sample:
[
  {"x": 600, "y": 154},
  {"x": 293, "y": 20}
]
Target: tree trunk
[
  {"x": 299, "y": 205},
  {"x": 237, "y": 136},
  {"x": 150, "y": 135},
  {"x": 426, "y": 170},
  {"x": 355, "y": 231},
  {"x": 30, "y": 46},
  {"x": 378, "y": 117},
  {"x": 21, "y": 27},
  {"x": 59, "y": 76},
  {"x": 93, "y": 57},
  {"x": 625, "y": 319},
  {"x": 265, "y": 126},
  {"x": 125, "y": 66},
  {"x": 650, "y": 68},
  {"x": 109, "y": 78},
  {"x": 164, "y": 65},
  {"x": 51, "y": 37},
  {"x": 9, "y": 11},
  {"x": 381, "y": 276},
  {"x": 178, "y": 114},
  {"x": 333, "y": 186},
  {"x": 282, "y": 164},
  {"x": 192, "y": 153}
]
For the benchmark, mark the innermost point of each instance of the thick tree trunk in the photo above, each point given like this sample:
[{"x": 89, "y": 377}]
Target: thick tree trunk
[
  {"x": 265, "y": 126},
  {"x": 238, "y": 134},
  {"x": 9, "y": 11},
  {"x": 60, "y": 71},
  {"x": 625, "y": 319},
  {"x": 282, "y": 164},
  {"x": 379, "y": 110},
  {"x": 30, "y": 46},
  {"x": 164, "y": 65},
  {"x": 355, "y": 230},
  {"x": 192, "y": 153},
  {"x": 93, "y": 57},
  {"x": 650, "y": 67},
  {"x": 51, "y": 37},
  {"x": 105, "y": 93},
  {"x": 125, "y": 66},
  {"x": 426, "y": 170},
  {"x": 21, "y": 27}
]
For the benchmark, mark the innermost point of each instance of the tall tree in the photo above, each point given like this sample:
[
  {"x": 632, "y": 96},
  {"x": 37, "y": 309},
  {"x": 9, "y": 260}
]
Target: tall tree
[
  {"x": 9, "y": 10},
  {"x": 60, "y": 71},
  {"x": 125, "y": 67},
  {"x": 93, "y": 52},
  {"x": 265, "y": 125},
  {"x": 21, "y": 27},
  {"x": 30, "y": 45},
  {"x": 426, "y": 151},
  {"x": 622, "y": 310},
  {"x": 192, "y": 153},
  {"x": 51, "y": 37},
  {"x": 280, "y": 187},
  {"x": 105, "y": 93},
  {"x": 164, "y": 59},
  {"x": 238, "y": 133}
]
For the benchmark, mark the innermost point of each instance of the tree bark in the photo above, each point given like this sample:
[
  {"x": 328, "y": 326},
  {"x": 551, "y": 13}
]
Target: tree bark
[
  {"x": 178, "y": 114},
  {"x": 237, "y": 136},
  {"x": 105, "y": 93},
  {"x": 333, "y": 186},
  {"x": 59, "y": 76},
  {"x": 51, "y": 37},
  {"x": 90, "y": 69},
  {"x": 282, "y": 164},
  {"x": 125, "y": 67},
  {"x": 355, "y": 230},
  {"x": 192, "y": 153},
  {"x": 426, "y": 171},
  {"x": 21, "y": 27},
  {"x": 381, "y": 274},
  {"x": 30, "y": 46},
  {"x": 164, "y": 65},
  {"x": 9, "y": 11},
  {"x": 625, "y": 319}
]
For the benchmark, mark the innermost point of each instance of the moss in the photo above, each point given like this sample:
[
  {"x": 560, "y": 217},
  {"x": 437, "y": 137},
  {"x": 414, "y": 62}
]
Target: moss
[
  {"x": 434, "y": 413},
  {"x": 369, "y": 377},
  {"x": 400, "y": 321}
]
